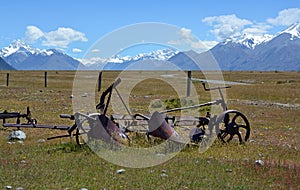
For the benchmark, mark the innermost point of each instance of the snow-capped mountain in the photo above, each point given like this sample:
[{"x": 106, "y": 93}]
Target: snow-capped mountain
[
  {"x": 245, "y": 52},
  {"x": 118, "y": 62},
  {"x": 161, "y": 55},
  {"x": 293, "y": 30},
  {"x": 251, "y": 41},
  {"x": 248, "y": 40},
  {"x": 21, "y": 47},
  {"x": 277, "y": 52},
  {"x": 25, "y": 57}
]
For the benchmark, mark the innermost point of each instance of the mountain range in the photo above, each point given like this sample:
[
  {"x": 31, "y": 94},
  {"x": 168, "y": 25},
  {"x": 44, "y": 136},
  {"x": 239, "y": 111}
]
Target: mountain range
[
  {"x": 278, "y": 52},
  {"x": 245, "y": 52},
  {"x": 21, "y": 56}
]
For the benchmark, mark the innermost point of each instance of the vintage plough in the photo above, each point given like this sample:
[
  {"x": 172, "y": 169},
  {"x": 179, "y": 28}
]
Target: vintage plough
[{"x": 115, "y": 128}]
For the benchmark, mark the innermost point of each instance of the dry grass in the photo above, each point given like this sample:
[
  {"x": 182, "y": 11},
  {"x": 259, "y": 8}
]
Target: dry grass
[{"x": 52, "y": 165}]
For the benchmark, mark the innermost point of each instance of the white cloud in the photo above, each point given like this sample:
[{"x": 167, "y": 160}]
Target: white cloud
[
  {"x": 32, "y": 34},
  {"x": 93, "y": 60},
  {"x": 61, "y": 37},
  {"x": 76, "y": 50},
  {"x": 187, "y": 38},
  {"x": 95, "y": 50},
  {"x": 286, "y": 17},
  {"x": 257, "y": 29},
  {"x": 225, "y": 26},
  {"x": 185, "y": 33}
]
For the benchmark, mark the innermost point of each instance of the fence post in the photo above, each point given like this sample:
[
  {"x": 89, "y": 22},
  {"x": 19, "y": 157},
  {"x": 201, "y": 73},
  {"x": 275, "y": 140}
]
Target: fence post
[
  {"x": 99, "y": 81},
  {"x": 188, "y": 86},
  {"x": 45, "y": 76},
  {"x": 7, "y": 79}
]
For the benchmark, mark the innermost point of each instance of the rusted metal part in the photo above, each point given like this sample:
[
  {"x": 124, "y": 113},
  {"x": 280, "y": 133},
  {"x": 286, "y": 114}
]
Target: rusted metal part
[
  {"x": 102, "y": 106},
  {"x": 100, "y": 126},
  {"x": 105, "y": 129},
  {"x": 113, "y": 129},
  {"x": 158, "y": 127},
  {"x": 196, "y": 134},
  {"x": 192, "y": 107},
  {"x": 8, "y": 115},
  {"x": 41, "y": 126}
]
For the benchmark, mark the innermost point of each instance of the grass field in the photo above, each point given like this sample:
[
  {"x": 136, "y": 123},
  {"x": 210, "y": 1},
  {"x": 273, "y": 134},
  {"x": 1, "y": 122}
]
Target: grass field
[{"x": 270, "y": 101}]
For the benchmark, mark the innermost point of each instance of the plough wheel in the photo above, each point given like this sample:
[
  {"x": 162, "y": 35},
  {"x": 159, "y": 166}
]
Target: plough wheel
[{"x": 233, "y": 123}]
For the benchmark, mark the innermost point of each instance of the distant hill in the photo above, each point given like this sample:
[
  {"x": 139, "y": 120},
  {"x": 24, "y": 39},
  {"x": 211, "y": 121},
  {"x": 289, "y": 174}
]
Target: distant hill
[{"x": 4, "y": 65}]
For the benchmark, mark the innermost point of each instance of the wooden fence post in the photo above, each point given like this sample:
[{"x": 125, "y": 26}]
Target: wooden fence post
[
  {"x": 188, "y": 87},
  {"x": 7, "y": 79},
  {"x": 45, "y": 76},
  {"x": 99, "y": 81}
]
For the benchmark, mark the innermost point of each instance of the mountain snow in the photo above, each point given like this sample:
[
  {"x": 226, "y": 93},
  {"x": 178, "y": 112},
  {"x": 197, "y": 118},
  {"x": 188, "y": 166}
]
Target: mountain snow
[
  {"x": 160, "y": 55},
  {"x": 293, "y": 30},
  {"x": 251, "y": 41},
  {"x": 25, "y": 57},
  {"x": 248, "y": 40},
  {"x": 21, "y": 47}
]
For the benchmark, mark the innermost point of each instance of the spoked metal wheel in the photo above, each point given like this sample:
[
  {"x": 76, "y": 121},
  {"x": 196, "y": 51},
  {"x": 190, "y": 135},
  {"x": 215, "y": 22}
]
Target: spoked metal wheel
[{"x": 233, "y": 123}]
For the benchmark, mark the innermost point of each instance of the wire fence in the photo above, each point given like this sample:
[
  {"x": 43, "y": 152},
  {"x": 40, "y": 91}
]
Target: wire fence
[{"x": 43, "y": 79}]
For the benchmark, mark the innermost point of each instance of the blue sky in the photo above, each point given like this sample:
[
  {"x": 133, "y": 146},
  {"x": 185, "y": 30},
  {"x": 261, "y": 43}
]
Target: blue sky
[{"x": 74, "y": 26}]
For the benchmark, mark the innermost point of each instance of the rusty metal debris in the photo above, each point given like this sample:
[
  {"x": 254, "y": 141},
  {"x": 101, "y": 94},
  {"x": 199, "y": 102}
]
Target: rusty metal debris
[
  {"x": 229, "y": 124},
  {"x": 9, "y": 115}
]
